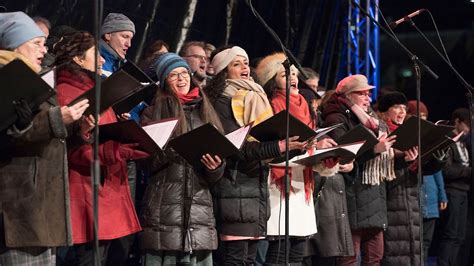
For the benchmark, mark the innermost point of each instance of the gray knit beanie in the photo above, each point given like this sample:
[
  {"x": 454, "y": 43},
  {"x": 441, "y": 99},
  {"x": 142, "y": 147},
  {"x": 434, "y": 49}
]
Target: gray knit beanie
[
  {"x": 17, "y": 28},
  {"x": 117, "y": 22}
]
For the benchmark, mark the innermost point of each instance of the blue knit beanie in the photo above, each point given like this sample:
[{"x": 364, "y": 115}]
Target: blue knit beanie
[
  {"x": 166, "y": 63},
  {"x": 16, "y": 28}
]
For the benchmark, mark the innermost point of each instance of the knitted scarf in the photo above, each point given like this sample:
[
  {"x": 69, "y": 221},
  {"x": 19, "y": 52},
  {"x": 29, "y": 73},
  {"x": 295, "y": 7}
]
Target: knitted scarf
[
  {"x": 380, "y": 168},
  {"x": 192, "y": 95},
  {"x": 298, "y": 108},
  {"x": 249, "y": 101}
]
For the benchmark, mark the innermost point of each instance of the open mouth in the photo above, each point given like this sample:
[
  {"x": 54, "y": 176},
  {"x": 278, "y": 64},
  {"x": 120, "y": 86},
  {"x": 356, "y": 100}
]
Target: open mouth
[
  {"x": 244, "y": 75},
  {"x": 181, "y": 85}
]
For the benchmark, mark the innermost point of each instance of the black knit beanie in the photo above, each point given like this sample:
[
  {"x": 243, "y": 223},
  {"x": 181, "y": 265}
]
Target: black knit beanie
[{"x": 391, "y": 99}]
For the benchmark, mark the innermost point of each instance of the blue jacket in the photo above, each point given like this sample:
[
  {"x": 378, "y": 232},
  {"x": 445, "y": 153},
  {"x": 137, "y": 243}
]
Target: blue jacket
[
  {"x": 112, "y": 60},
  {"x": 433, "y": 194},
  {"x": 112, "y": 64}
]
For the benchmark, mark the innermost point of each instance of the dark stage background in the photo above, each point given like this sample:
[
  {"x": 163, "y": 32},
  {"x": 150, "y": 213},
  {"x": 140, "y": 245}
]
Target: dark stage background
[{"x": 312, "y": 29}]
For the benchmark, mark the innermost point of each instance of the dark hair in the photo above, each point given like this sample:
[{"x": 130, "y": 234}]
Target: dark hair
[
  {"x": 184, "y": 50},
  {"x": 70, "y": 46},
  {"x": 270, "y": 88},
  {"x": 216, "y": 86},
  {"x": 42, "y": 20},
  {"x": 167, "y": 105},
  {"x": 154, "y": 48},
  {"x": 462, "y": 114}
]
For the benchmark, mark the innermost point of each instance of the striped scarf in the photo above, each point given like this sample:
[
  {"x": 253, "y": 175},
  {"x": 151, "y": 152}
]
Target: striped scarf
[{"x": 249, "y": 101}]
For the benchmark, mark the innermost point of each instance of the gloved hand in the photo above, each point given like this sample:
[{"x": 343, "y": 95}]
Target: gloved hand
[
  {"x": 131, "y": 152},
  {"x": 440, "y": 154},
  {"x": 24, "y": 114}
]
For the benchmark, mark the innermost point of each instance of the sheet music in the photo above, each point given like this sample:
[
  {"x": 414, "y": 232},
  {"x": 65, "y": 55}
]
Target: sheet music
[
  {"x": 49, "y": 77},
  {"x": 161, "y": 132},
  {"x": 237, "y": 137},
  {"x": 322, "y": 131},
  {"x": 354, "y": 148}
]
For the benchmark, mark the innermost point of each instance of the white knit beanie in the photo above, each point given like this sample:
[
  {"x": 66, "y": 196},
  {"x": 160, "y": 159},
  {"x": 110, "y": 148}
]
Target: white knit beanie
[{"x": 224, "y": 57}]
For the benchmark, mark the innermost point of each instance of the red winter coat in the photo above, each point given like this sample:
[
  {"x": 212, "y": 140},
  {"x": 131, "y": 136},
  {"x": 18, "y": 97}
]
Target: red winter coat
[{"x": 117, "y": 216}]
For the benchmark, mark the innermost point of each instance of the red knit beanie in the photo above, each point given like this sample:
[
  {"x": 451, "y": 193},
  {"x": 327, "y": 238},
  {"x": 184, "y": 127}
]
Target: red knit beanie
[{"x": 411, "y": 108}]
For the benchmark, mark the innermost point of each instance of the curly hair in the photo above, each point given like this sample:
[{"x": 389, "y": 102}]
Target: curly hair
[{"x": 70, "y": 46}]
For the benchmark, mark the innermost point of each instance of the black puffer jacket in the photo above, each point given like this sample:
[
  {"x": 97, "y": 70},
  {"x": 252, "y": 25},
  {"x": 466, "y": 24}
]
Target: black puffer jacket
[
  {"x": 402, "y": 238},
  {"x": 177, "y": 211},
  {"x": 241, "y": 196},
  {"x": 365, "y": 203}
]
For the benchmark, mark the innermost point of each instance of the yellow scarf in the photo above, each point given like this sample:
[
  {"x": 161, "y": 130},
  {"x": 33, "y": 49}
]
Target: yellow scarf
[
  {"x": 8, "y": 56},
  {"x": 249, "y": 101}
]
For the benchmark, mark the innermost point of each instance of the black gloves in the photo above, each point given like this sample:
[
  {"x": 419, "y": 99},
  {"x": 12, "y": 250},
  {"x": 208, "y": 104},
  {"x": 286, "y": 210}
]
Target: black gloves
[{"x": 24, "y": 114}]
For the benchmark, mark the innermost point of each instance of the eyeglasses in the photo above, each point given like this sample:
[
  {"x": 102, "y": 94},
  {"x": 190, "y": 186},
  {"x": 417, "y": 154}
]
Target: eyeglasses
[
  {"x": 363, "y": 93},
  {"x": 39, "y": 45},
  {"x": 200, "y": 57},
  {"x": 174, "y": 75}
]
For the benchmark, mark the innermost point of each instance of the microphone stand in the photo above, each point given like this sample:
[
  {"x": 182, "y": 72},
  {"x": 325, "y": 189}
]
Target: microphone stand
[
  {"x": 291, "y": 60},
  {"x": 464, "y": 83},
  {"x": 416, "y": 64},
  {"x": 95, "y": 167}
]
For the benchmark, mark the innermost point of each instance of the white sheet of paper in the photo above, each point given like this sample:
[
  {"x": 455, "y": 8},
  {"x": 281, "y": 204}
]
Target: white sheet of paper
[
  {"x": 237, "y": 137},
  {"x": 324, "y": 130},
  {"x": 49, "y": 77},
  {"x": 161, "y": 132},
  {"x": 354, "y": 148}
]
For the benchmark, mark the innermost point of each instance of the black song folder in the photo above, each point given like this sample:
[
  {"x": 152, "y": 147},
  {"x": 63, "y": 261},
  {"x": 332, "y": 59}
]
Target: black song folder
[
  {"x": 431, "y": 134},
  {"x": 427, "y": 153},
  {"x": 356, "y": 134},
  {"x": 194, "y": 144},
  {"x": 274, "y": 128},
  {"x": 345, "y": 153},
  {"x": 20, "y": 82},
  {"x": 136, "y": 72},
  {"x": 144, "y": 93},
  {"x": 130, "y": 132},
  {"x": 119, "y": 86}
]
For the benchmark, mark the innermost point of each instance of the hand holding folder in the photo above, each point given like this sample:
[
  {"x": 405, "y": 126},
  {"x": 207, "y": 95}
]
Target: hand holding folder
[{"x": 19, "y": 82}]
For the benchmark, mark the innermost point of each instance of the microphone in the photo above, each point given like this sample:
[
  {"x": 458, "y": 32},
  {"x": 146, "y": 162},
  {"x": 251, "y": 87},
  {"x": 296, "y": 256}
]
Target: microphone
[{"x": 406, "y": 18}]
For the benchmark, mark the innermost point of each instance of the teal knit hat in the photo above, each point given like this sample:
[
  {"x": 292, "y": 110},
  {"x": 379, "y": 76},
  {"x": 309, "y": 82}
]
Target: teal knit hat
[{"x": 166, "y": 63}]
